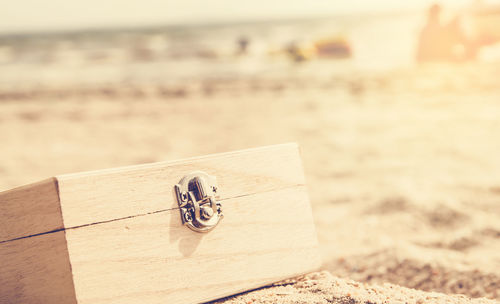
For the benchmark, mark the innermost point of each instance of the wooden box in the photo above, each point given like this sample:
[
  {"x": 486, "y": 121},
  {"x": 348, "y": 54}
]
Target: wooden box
[{"x": 119, "y": 235}]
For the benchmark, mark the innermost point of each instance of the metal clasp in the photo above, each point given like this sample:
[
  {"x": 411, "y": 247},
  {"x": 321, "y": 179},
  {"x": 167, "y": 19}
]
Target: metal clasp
[{"x": 196, "y": 195}]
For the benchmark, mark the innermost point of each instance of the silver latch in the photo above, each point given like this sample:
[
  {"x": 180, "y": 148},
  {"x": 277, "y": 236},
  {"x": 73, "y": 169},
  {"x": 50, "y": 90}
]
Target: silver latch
[{"x": 196, "y": 195}]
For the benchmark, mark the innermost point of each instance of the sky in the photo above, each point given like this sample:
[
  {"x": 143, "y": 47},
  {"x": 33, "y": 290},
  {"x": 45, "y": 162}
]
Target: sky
[{"x": 48, "y": 15}]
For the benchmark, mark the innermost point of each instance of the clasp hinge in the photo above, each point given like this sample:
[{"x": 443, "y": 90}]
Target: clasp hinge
[{"x": 197, "y": 196}]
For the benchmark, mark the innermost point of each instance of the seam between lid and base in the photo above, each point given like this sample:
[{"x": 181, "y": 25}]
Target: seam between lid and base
[{"x": 133, "y": 216}]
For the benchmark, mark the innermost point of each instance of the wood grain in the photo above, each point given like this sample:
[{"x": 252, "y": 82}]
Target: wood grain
[
  {"x": 30, "y": 210},
  {"x": 36, "y": 270},
  {"x": 263, "y": 238},
  {"x": 115, "y": 236},
  {"x": 105, "y": 195}
]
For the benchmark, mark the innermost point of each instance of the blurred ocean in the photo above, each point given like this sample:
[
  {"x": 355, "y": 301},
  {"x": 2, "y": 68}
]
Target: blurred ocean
[{"x": 190, "y": 56}]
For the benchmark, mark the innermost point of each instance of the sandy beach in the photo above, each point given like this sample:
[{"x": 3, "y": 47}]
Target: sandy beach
[
  {"x": 324, "y": 288},
  {"x": 402, "y": 165}
]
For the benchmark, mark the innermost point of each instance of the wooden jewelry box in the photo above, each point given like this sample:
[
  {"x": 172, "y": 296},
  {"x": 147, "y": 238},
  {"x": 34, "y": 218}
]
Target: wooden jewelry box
[{"x": 186, "y": 231}]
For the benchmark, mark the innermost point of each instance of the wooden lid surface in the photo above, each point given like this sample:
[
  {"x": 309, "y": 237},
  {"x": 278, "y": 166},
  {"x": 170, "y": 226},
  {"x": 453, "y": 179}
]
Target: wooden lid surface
[{"x": 81, "y": 199}]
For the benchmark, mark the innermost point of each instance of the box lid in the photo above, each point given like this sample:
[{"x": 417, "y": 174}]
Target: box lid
[{"x": 75, "y": 200}]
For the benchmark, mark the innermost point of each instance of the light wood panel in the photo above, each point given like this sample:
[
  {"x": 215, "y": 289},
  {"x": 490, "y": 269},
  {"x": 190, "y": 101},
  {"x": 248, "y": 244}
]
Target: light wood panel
[
  {"x": 263, "y": 238},
  {"x": 36, "y": 270},
  {"x": 115, "y": 236},
  {"x": 29, "y": 210},
  {"x": 105, "y": 195}
]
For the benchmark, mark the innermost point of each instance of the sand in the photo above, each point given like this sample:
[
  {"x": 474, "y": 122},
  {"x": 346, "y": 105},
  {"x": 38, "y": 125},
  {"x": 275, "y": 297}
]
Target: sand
[
  {"x": 402, "y": 167},
  {"x": 322, "y": 287}
]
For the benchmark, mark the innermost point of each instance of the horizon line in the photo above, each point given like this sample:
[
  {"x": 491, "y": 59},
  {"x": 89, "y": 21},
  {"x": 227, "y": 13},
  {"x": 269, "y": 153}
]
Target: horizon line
[{"x": 208, "y": 23}]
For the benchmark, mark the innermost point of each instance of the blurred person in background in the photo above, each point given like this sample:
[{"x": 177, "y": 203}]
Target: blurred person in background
[
  {"x": 242, "y": 45},
  {"x": 444, "y": 42}
]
